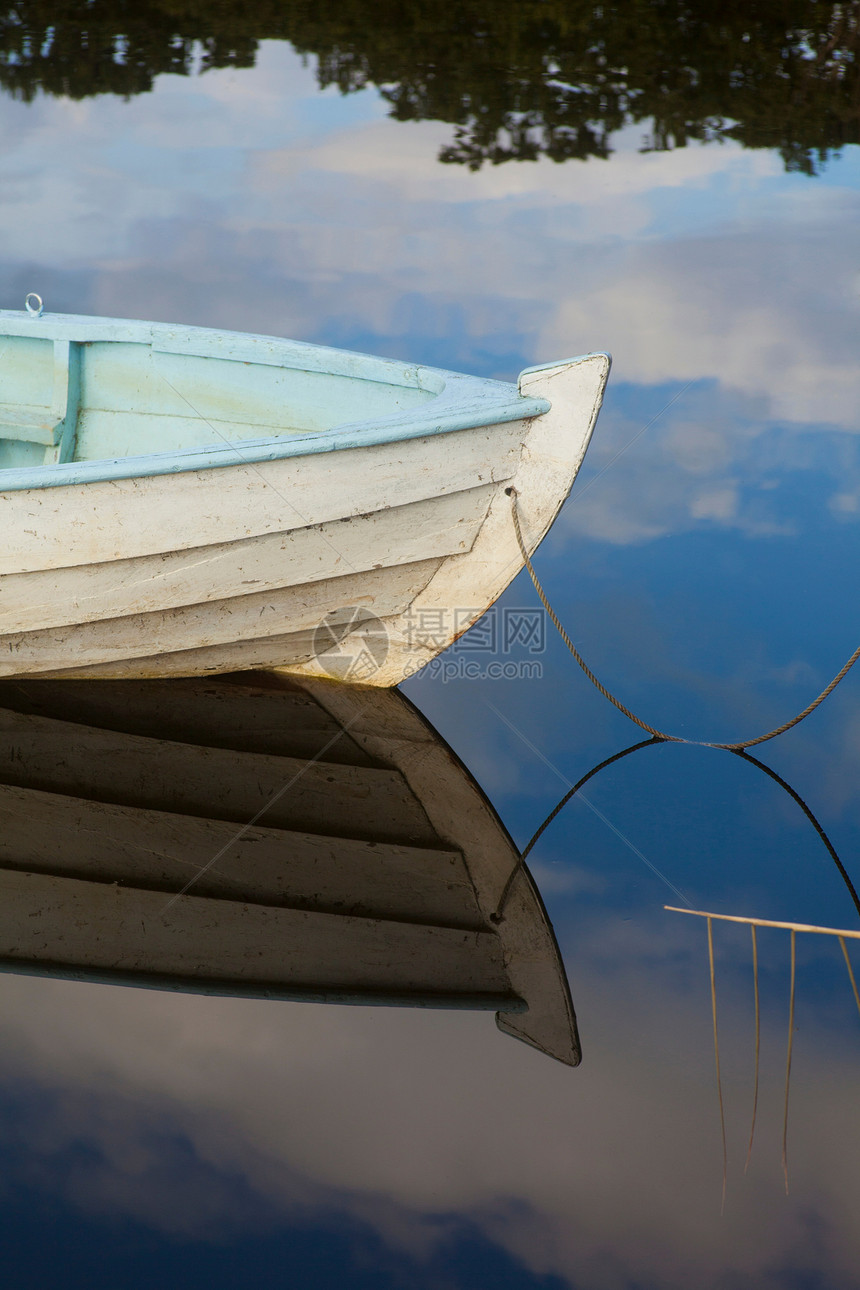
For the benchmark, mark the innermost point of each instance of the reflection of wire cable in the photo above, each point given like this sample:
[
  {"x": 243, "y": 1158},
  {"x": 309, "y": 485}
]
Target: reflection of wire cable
[
  {"x": 788, "y": 1055},
  {"x": 758, "y": 1037},
  {"x": 794, "y": 928},
  {"x": 717, "y": 1061}
]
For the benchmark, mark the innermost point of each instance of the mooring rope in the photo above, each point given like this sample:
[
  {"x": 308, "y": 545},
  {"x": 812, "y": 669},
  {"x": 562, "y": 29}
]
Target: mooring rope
[{"x": 738, "y": 746}]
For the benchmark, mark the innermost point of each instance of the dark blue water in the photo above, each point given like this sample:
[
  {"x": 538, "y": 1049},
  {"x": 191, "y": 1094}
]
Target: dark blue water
[{"x": 706, "y": 567}]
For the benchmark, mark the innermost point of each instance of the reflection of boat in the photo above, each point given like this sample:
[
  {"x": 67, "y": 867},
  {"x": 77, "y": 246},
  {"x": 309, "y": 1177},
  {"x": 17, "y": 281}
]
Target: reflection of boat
[
  {"x": 370, "y": 870},
  {"x": 181, "y": 501}
]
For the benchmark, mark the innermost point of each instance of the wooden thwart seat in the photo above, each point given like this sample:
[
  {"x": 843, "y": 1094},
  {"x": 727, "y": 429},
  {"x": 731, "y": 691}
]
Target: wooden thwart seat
[{"x": 53, "y": 425}]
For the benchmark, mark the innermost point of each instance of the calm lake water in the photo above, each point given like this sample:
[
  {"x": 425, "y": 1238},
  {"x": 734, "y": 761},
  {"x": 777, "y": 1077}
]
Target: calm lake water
[{"x": 495, "y": 191}]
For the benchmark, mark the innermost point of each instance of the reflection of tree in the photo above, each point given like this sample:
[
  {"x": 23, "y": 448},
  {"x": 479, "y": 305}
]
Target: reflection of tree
[
  {"x": 76, "y": 49},
  {"x": 516, "y": 80}
]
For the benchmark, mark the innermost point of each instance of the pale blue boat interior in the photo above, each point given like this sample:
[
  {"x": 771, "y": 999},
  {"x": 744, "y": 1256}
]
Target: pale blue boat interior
[{"x": 87, "y": 398}]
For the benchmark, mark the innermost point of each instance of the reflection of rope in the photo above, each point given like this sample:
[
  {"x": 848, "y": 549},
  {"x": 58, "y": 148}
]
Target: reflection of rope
[
  {"x": 580, "y": 783},
  {"x": 768, "y": 770},
  {"x": 652, "y": 743},
  {"x": 739, "y": 746}
]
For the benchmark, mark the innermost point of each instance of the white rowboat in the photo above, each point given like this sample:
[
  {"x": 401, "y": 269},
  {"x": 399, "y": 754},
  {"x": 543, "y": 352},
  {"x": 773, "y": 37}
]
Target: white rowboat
[
  {"x": 264, "y": 837},
  {"x": 183, "y": 501}
]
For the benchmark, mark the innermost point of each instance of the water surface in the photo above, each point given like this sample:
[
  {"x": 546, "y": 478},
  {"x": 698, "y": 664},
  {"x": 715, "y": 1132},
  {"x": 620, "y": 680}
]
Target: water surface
[{"x": 489, "y": 194}]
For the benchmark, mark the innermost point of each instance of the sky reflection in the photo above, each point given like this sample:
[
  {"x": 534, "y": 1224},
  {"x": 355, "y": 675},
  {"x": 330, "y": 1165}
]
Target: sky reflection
[{"x": 709, "y": 577}]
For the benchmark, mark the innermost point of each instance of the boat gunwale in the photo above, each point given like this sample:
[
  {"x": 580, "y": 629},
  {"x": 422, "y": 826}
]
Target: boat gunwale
[{"x": 459, "y": 402}]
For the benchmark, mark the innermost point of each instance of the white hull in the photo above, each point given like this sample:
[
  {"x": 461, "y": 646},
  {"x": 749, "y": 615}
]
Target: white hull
[{"x": 235, "y": 567}]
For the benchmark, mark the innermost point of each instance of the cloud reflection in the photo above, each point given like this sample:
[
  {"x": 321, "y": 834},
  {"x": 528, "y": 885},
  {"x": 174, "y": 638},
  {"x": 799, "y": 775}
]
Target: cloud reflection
[
  {"x": 657, "y": 257},
  {"x": 249, "y": 201},
  {"x": 210, "y": 1119},
  {"x": 593, "y": 1177}
]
